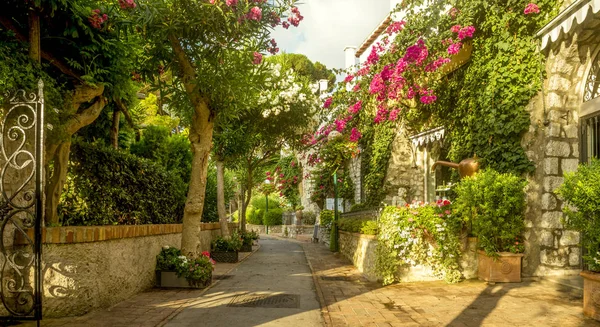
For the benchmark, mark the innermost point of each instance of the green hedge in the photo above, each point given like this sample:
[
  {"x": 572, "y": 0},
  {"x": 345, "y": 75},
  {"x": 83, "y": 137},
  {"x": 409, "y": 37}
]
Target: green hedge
[
  {"x": 358, "y": 225},
  {"x": 273, "y": 217},
  {"x": 109, "y": 187},
  {"x": 326, "y": 217},
  {"x": 254, "y": 216}
]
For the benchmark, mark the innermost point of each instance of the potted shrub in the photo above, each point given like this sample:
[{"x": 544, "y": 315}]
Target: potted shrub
[
  {"x": 226, "y": 249},
  {"x": 494, "y": 205},
  {"x": 176, "y": 270},
  {"x": 248, "y": 238},
  {"x": 581, "y": 194}
]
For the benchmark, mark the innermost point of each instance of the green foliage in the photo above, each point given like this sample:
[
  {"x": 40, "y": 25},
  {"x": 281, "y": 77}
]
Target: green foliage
[
  {"x": 581, "y": 193},
  {"x": 377, "y": 141},
  {"x": 260, "y": 202},
  {"x": 358, "y": 225},
  {"x": 254, "y": 216},
  {"x": 198, "y": 271},
  {"x": 302, "y": 66},
  {"x": 107, "y": 187},
  {"x": 233, "y": 244},
  {"x": 494, "y": 203},
  {"x": 426, "y": 235},
  {"x": 362, "y": 206},
  {"x": 326, "y": 218},
  {"x": 273, "y": 217},
  {"x": 167, "y": 259},
  {"x": 309, "y": 217},
  {"x": 248, "y": 237},
  {"x": 287, "y": 176}
]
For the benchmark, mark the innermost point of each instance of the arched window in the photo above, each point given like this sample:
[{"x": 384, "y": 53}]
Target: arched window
[{"x": 590, "y": 120}]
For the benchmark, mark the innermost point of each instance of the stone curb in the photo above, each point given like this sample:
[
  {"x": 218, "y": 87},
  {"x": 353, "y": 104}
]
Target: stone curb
[
  {"x": 324, "y": 310},
  {"x": 192, "y": 302}
]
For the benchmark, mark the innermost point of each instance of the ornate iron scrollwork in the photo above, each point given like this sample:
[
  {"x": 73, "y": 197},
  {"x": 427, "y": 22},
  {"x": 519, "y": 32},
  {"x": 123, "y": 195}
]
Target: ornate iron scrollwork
[
  {"x": 592, "y": 83},
  {"x": 21, "y": 164}
]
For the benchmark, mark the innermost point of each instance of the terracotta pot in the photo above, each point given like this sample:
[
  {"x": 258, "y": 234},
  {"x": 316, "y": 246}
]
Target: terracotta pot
[
  {"x": 591, "y": 294},
  {"x": 504, "y": 269}
]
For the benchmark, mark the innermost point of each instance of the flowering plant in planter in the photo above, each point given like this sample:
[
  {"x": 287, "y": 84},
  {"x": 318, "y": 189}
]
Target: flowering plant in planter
[{"x": 197, "y": 272}]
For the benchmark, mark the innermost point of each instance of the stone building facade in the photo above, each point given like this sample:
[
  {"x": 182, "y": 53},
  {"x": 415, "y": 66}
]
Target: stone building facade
[{"x": 564, "y": 131}]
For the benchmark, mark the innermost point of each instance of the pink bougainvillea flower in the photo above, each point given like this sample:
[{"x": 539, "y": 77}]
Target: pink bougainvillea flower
[
  {"x": 381, "y": 115},
  {"x": 395, "y": 27},
  {"x": 255, "y": 14},
  {"x": 257, "y": 58},
  {"x": 377, "y": 84},
  {"x": 231, "y": 2},
  {"x": 416, "y": 53},
  {"x": 348, "y": 78},
  {"x": 356, "y": 88},
  {"x": 354, "y": 135},
  {"x": 340, "y": 125},
  {"x": 435, "y": 65},
  {"x": 455, "y": 29},
  {"x": 393, "y": 115},
  {"x": 411, "y": 93},
  {"x": 355, "y": 108},
  {"x": 466, "y": 32},
  {"x": 387, "y": 72},
  {"x": 531, "y": 8},
  {"x": 373, "y": 57},
  {"x": 454, "y": 48},
  {"x": 328, "y": 102},
  {"x": 363, "y": 71},
  {"x": 428, "y": 99}
]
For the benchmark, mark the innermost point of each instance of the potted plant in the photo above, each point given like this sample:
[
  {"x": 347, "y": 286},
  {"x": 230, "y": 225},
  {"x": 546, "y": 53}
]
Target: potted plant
[
  {"x": 226, "y": 249},
  {"x": 494, "y": 205},
  {"x": 176, "y": 270},
  {"x": 581, "y": 194},
  {"x": 247, "y": 240}
]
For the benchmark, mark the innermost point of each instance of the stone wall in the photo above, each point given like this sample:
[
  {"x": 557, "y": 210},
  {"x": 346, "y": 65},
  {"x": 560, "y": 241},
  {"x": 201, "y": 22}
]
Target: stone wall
[
  {"x": 404, "y": 177},
  {"x": 86, "y": 268},
  {"x": 292, "y": 230},
  {"x": 361, "y": 251},
  {"x": 552, "y": 144}
]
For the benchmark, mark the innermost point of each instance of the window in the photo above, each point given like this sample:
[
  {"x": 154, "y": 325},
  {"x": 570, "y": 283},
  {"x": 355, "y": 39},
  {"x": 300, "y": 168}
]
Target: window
[
  {"x": 590, "y": 115},
  {"x": 592, "y": 83},
  {"x": 590, "y": 138}
]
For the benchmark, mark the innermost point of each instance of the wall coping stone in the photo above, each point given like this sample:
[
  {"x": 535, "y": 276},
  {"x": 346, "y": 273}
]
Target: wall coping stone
[{"x": 87, "y": 234}]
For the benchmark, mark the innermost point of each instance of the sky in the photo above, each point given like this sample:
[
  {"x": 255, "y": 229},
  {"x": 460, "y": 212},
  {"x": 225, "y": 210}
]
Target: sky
[{"x": 329, "y": 26}]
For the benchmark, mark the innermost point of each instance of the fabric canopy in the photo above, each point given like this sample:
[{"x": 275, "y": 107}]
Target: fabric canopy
[{"x": 575, "y": 14}]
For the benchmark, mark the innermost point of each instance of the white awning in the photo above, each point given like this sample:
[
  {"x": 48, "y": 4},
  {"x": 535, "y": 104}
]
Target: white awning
[
  {"x": 575, "y": 14},
  {"x": 428, "y": 137}
]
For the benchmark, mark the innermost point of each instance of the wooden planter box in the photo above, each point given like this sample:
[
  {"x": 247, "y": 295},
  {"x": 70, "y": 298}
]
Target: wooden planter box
[
  {"x": 169, "y": 279},
  {"x": 246, "y": 248},
  {"x": 505, "y": 269},
  {"x": 228, "y": 257},
  {"x": 591, "y": 294}
]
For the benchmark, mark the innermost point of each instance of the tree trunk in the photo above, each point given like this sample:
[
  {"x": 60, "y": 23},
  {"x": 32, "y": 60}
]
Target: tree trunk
[
  {"x": 114, "y": 131},
  {"x": 57, "y": 151},
  {"x": 246, "y": 201},
  {"x": 56, "y": 182},
  {"x": 35, "y": 49},
  {"x": 221, "y": 199},
  {"x": 200, "y": 136}
]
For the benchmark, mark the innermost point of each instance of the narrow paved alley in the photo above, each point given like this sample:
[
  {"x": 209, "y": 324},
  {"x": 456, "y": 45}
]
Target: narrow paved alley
[{"x": 274, "y": 286}]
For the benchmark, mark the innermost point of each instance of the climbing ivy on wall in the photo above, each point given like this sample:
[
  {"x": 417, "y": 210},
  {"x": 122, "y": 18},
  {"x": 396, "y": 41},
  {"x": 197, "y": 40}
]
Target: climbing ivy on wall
[{"x": 412, "y": 77}]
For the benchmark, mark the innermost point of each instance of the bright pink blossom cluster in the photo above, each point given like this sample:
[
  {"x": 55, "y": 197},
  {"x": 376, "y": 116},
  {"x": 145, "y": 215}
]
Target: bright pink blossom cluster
[
  {"x": 340, "y": 124},
  {"x": 454, "y": 48},
  {"x": 295, "y": 18},
  {"x": 531, "y": 8},
  {"x": 96, "y": 20},
  {"x": 126, "y": 4},
  {"x": 207, "y": 254},
  {"x": 395, "y": 27},
  {"x": 355, "y": 108},
  {"x": 381, "y": 115},
  {"x": 348, "y": 78},
  {"x": 354, "y": 135},
  {"x": 254, "y": 14},
  {"x": 327, "y": 103},
  {"x": 274, "y": 19},
  {"x": 231, "y": 3},
  {"x": 435, "y": 65},
  {"x": 257, "y": 58},
  {"x": 273, "y": 49}
]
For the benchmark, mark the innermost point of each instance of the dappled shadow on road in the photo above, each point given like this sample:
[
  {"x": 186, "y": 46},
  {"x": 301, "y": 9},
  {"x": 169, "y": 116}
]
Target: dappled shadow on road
[{"x": 352, "y": 300}]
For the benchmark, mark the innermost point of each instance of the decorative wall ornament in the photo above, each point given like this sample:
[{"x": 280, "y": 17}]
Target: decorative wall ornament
[{"x": 428, "y": 137}]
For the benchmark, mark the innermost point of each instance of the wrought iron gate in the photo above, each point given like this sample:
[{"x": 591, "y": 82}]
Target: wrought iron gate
[{"x": 21, "y": 205}]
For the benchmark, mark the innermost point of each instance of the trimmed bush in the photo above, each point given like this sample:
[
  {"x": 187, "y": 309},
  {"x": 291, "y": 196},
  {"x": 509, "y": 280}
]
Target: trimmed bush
[
  {"x": 254, "y": 216},
  {"x": 326, "y": 218},
  {"x": 309, "y": 217},
  {"x": 109, "y": 187},
  {"x": 273, "y": 217},
  {"x": 358, "y": 225}
]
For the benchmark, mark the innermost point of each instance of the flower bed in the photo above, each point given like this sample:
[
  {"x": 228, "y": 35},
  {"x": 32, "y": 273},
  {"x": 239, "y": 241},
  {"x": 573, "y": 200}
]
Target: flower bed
[
  {"x": 420, "y": 234},
  {"x": 173, "y": 268}
]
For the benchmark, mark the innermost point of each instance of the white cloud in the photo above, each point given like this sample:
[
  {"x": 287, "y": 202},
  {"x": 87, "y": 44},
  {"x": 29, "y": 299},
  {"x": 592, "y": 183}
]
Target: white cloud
[{"x": 329, "y": 26}]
